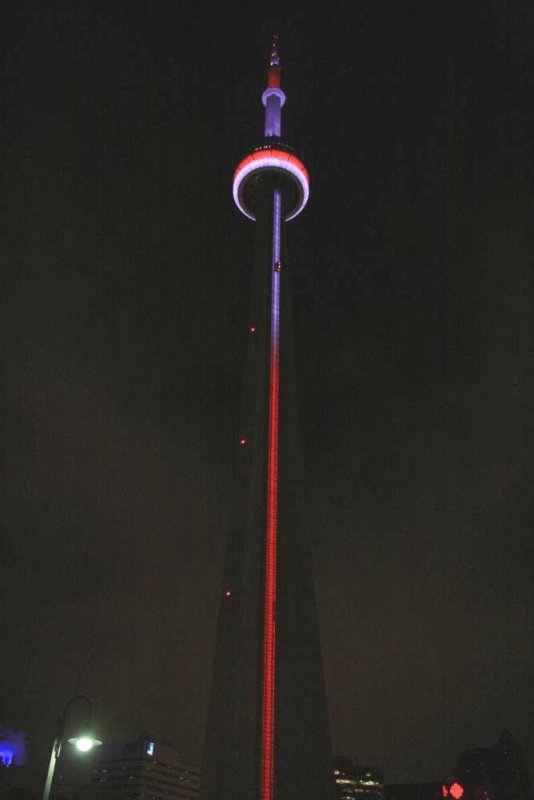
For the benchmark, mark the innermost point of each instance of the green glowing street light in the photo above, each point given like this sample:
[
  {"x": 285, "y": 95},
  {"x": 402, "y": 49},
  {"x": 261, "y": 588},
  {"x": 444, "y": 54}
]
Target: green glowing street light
[{"x": 84, "y": 742}]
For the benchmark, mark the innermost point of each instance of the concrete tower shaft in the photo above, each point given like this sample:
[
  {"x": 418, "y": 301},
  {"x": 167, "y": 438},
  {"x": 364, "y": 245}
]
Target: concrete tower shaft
[{"x": 267, "y": 735}]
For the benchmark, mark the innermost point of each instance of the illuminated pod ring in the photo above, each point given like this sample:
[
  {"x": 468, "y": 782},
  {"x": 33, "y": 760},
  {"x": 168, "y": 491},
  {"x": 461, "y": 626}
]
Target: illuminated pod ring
[{"x": 271, "y": 160}]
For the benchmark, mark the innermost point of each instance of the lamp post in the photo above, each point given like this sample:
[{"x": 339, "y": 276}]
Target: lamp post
[{"x": 84, "y": 742}]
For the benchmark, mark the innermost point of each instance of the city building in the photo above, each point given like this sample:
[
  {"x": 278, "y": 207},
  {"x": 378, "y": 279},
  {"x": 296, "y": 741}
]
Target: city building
[
  {"x": 477, "y": 771},
  {"x": 144, "y": 770},
  {"x": 354, "y": 782},
  {"x": 494, "y": 773},
  {"x": 514, "y": 771},
  {"x": 267, "y": 734}
]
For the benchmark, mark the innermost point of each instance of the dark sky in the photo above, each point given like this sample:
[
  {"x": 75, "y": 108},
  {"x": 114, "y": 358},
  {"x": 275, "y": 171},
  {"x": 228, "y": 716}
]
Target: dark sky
[{"x": 126, "y": 273}]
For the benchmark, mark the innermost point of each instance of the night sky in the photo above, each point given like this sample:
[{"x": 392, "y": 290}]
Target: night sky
[{"x": 125, "y": 302}]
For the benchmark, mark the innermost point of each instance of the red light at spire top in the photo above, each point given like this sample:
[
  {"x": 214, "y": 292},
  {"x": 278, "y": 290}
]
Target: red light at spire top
[
  {"x": 456, "y": 791},
  {"x": 273, "y": 74}
]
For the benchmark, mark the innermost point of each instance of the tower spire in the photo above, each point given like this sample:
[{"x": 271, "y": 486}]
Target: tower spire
[
  {"x": 273, "y": 97},
  {"x": 275, "y": 57}
]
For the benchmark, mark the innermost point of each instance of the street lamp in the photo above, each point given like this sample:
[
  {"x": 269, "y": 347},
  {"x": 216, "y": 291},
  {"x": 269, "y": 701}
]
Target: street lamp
[{"x": 84, "y": 742}]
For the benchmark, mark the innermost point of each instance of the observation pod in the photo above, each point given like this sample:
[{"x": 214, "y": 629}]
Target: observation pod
[{"x": 275, "y": 160}]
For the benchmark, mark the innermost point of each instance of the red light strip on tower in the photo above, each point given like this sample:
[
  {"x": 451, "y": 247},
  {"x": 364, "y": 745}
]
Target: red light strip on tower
[
  {"x": 272, "y": 157},
  {"x": 268, "y": 160},
  {"x": 269, "y": 623}
]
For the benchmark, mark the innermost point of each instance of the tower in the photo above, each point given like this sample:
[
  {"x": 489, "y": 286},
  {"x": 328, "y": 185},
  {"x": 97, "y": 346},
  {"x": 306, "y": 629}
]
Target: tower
[{"x": 267, "y": 734}]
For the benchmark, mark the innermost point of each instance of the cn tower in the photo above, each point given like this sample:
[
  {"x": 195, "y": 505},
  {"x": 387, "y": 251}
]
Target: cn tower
[{"x": 267, "y": 734}]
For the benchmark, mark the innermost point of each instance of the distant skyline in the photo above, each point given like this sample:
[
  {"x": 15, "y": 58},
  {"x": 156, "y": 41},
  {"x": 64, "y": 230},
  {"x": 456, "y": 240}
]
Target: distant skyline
[{"x": 123, "y": 319}]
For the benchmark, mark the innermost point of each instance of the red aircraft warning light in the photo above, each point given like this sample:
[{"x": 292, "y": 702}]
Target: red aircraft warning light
[{"x": 455, "y": 790}]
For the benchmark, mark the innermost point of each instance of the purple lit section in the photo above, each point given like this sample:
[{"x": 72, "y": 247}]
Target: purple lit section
[
  {"x": 276, "y": 247},
  {"x": 273, "y": 100}
]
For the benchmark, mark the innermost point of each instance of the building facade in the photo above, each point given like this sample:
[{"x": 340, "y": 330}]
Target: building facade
[
  {"x": 355, "y": 782},
  {"x": 144, "y": 770},
  {"x": 495, "y": 773}
]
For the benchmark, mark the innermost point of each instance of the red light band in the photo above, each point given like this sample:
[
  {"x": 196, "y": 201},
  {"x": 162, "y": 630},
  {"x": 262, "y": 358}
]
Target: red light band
[
  {"x": 269, "y": 623},
  {"x": 261, "y": 155}
]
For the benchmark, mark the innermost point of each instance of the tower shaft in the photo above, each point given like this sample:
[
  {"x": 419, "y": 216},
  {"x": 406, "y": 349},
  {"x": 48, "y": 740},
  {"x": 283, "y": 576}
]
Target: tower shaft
[{"x": 271, "y": 541}]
